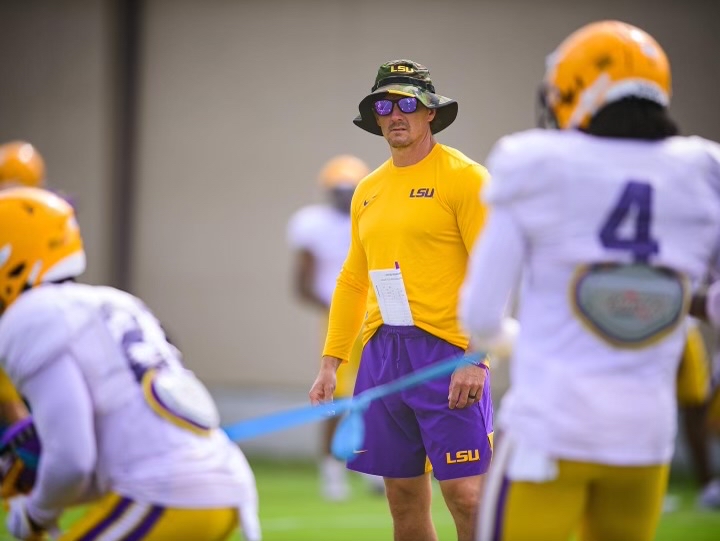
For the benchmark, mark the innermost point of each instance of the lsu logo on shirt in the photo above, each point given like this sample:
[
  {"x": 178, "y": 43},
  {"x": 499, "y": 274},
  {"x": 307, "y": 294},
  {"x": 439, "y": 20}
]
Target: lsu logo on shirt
[
  {"x": 463, "y": 456},
  {"x": 422, "y": 192}
]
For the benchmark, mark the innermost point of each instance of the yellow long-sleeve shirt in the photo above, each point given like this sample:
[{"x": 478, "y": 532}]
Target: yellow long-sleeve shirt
[{"x": 424, "y": 217}]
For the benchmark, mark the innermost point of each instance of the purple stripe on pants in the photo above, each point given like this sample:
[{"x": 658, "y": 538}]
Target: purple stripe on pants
[
  {"x": 146, "y": 525},
  {"x": 405, "y": 428}
]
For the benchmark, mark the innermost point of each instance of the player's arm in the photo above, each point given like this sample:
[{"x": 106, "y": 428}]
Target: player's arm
[
  {"x": 304, "y": 279},
  {"x": 302, "y": 233},
  {"x": 63, "y": 417},
  {"x": 494, "y": 270},
  {"x": 705, "y": 304}
]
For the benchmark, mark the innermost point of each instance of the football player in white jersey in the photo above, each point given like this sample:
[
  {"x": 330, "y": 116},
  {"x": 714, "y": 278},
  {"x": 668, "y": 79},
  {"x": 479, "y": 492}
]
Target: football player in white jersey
[
  {"x": 610, "y": 220},
  {"x": 122, "y": 423},
  {"x": 320, "y": 237},
  {"x": 20, "y": 165}
]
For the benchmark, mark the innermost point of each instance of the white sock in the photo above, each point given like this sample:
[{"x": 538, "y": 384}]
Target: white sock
[{"x": 334, "y": 479}]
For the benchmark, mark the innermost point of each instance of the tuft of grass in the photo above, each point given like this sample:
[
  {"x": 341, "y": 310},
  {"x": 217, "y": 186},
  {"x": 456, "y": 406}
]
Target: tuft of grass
[{"x": 291, "y": 509}]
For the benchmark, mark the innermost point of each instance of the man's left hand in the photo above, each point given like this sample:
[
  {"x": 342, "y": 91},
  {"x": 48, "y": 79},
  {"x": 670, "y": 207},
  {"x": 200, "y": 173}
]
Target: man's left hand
[{"x": 466, "y": 386}]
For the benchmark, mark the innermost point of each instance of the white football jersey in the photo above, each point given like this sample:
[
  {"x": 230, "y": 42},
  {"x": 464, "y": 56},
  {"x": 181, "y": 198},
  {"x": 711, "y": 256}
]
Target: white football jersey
[
  {"x": 324, "y": 232},
  {"x": 593, "y": 371},
  {"x": 113, "y": 339}
]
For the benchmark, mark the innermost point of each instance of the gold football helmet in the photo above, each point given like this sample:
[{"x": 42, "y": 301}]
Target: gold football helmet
[
  {"x": 21, "y": 165},
  {"x": 598, "y": 64},
  {"x": 39, "y": 241}
]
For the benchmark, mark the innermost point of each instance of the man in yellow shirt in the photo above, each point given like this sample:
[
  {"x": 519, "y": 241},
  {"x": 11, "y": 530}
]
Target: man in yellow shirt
[{"x": 413, "y": 222}]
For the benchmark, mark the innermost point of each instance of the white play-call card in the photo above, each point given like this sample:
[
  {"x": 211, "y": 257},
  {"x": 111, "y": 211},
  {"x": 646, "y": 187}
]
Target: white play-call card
[{"x": 391, "y": 296}]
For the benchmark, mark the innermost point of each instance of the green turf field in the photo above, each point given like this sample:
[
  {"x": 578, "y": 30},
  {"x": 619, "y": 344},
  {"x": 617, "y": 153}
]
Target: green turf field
[{"x": 292, "y": 510}]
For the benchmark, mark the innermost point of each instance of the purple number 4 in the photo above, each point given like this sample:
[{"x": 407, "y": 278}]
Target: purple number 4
[{"x": 637, "y": 198}]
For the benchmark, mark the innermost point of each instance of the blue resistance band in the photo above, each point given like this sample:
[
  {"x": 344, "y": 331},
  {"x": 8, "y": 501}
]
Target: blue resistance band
[{"x": 275, "y": 422}]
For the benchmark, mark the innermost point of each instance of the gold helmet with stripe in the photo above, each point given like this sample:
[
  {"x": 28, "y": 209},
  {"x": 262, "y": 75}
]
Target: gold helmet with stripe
[
  {"x": 39, "y": 241},
  {"x": 601, "y": 63}
]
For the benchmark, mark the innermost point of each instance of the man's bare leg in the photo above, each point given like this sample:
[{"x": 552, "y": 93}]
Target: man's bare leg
[
  {"x": 462, "y": 497},
  {"x": 409, "y": 500}
]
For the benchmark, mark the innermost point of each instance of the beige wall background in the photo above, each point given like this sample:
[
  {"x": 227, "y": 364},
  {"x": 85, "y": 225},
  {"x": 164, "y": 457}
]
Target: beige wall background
[
  {"x": 241, "y": 104},
  {"x": 55, "y": 92}
]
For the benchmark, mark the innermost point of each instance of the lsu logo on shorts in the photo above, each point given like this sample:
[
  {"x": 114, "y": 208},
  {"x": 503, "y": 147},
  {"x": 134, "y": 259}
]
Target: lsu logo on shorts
[{"x": 463, "y": 456}]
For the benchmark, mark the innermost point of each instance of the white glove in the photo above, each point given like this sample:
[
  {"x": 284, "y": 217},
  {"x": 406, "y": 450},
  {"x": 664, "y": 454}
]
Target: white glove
[
  {"x": 19, "y": 525},
  {"x": 18, "y": 522}
]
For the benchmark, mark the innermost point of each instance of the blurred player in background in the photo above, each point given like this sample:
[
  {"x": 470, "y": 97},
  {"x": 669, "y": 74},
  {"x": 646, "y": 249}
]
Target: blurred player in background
[
  {"x": 21, "y": 165},
  {"x": 122, "y": 424},
  {"x": 413, "y": 220},
  {"x": 611, "y": 218},
  {"x": 706, "y": 306},
  {"x": 320, "y": 236},
  {"x": 693, "y": 394}
]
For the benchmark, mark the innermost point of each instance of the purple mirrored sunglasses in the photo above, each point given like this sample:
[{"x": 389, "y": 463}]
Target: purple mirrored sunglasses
[{"x": 407, "y": 105}]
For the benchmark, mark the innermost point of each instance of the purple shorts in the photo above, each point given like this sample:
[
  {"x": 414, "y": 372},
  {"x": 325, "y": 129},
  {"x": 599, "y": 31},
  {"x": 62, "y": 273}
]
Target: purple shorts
[{"x": 405, "y": 429}]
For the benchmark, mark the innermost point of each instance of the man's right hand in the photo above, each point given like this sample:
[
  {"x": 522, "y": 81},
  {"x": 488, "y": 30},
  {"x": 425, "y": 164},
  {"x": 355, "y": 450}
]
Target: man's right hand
[{"x": 324, "y": 386}]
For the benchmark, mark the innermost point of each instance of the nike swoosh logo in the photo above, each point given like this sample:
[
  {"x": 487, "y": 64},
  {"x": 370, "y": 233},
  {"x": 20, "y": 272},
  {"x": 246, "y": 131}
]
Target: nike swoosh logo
[
  {"x": 360, "y": 451},
  {"x": 367, "y": 201}
]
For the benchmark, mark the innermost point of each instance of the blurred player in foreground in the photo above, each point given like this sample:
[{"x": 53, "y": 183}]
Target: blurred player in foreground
[
  {"x": 611, "y": 218},
  {"x": 122, "y": 424},
  {"x": 20, "y": 165},
  {"x": 320, "y": 235}
]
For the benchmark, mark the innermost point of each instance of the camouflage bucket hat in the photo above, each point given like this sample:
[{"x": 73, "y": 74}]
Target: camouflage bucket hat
[{"x": 406, "y": 78}]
